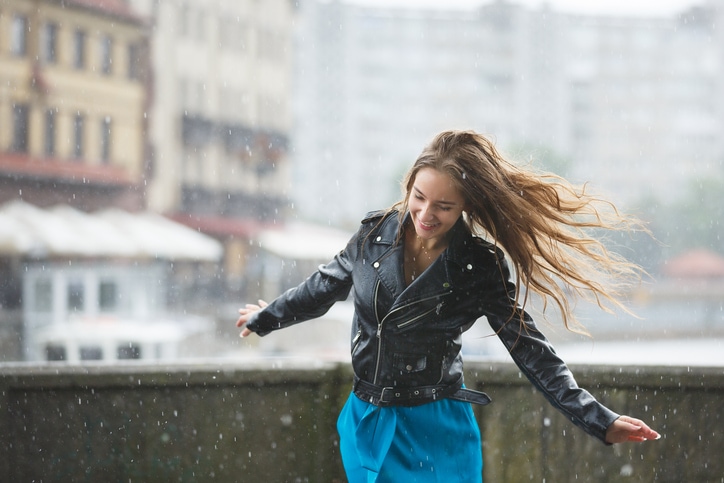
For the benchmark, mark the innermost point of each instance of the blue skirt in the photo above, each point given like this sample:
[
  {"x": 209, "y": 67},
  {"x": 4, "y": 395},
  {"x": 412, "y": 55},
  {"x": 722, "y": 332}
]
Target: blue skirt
[{"x": 434, "y": 442}]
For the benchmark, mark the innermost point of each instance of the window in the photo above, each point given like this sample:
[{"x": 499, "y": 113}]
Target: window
[
  {"x": 106, "y": 140},
  {"x": 79, "y": 49},
  {"x": 19, "y": 36},
  {"x": 43, "y": 300},
  {"x": 129, "y": 351},
  {"x": 20, "y": 128},
  {"x": 78, "y": 123},
  {"x": 107, "y": 296},
  {"x": 76, "y": 295},
  {"x": 50, "y": 132},
  {"x": 106, "y": 55},
  {"x": 49, "y": 43},
  {"x": 200, "y": 18},
  {"x": 184, "y": 20},
  {"x": 91, "y": 353},
  {"x": 55, "y": 353},
  {"x": 134, "y": 61}
]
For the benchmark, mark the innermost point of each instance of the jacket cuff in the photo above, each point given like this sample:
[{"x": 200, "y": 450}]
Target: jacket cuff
[{"x": 253, "y": 325}]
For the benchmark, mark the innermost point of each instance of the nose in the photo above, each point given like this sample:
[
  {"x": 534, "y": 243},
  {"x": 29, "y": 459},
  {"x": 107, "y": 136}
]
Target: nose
[{"x": 425, "y": 211}]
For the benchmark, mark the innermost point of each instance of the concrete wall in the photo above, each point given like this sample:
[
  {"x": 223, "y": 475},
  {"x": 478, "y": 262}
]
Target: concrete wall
[{"x": 275, "y": 421}]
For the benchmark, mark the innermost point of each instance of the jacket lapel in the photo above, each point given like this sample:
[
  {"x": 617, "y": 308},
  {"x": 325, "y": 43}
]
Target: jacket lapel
[{"x": 389, "y": 266}]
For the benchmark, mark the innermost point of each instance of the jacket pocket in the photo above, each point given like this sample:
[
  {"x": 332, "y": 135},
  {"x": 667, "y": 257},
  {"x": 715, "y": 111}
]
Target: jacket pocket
[
  {"x": 409, "y": 363},
  {"x": 356, "y": 340}
]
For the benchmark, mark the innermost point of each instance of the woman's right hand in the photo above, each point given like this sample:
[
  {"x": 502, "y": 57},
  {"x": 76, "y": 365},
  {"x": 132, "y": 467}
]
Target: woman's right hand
[{"x": 245, "y": 314}]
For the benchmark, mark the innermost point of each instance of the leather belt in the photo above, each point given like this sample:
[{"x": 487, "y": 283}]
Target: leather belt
[{"x": 417, "y": 395}]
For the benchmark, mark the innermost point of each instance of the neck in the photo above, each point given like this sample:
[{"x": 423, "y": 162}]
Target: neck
[
  {"x": 429, "y": 246},
  {"x": 426, "y": 245}
]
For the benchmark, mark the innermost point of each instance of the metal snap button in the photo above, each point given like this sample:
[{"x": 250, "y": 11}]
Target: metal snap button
[
  {"x": 408, "y": 367},
  {"x": 376, "y": 264},
  {"x": 379, "y": 238}
]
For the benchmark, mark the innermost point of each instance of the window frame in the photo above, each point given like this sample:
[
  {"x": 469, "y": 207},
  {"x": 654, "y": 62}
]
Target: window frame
[
  {"x": 21, "y": 127},
  {"x": 49, "y": 43},
  {"x": 79, "y": 49},
  {"x": 78, "y": 135},
  {"x": 19, "y": 35}
]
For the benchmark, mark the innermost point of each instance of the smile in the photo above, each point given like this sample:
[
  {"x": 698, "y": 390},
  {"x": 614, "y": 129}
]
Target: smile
[{"x": 426, "y": 226}]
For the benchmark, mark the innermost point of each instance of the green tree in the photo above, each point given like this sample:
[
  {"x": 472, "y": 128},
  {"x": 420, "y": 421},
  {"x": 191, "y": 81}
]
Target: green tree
[{"x": 693, "y": 221}]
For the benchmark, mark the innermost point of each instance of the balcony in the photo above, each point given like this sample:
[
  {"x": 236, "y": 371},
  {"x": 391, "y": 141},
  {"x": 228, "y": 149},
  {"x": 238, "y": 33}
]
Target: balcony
[{"x": 49, "y": 181}]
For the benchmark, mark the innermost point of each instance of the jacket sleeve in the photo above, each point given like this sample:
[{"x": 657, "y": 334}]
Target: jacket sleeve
[
  {"x": 537, "y": 359},
  {"x": 312, "y": 298}
]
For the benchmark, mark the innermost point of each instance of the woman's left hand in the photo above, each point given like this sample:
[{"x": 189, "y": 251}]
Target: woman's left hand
[{"x": 626, "y": 428}]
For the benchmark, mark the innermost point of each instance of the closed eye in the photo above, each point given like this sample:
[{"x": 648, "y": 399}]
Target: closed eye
[{"x": 444, "y": 206}]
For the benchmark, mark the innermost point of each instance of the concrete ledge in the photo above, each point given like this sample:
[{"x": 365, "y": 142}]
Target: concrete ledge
[{"x": 274, "y": 420}]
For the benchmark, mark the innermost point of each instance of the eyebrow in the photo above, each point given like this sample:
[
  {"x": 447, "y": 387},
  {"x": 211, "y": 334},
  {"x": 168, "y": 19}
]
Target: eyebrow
[{"x": 440, "y": 202}]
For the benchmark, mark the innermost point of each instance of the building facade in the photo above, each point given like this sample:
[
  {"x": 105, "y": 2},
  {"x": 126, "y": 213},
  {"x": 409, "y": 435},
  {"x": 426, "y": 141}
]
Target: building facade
[
  {"x": 631, "y": 105},
  {"x": 644, "y": 102},
  {"x": 72, "y": 103},
  {"x": 220, "y": 117}
]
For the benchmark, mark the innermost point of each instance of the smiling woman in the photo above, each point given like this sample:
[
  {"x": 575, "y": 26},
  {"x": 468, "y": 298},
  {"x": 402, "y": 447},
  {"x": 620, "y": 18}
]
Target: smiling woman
[
  {"x": 435, "y": 207},
  {"x": 423, "y": 271}
]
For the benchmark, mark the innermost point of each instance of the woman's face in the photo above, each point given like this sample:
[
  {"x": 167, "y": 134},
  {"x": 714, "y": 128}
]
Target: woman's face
[{"x": 435, "y": 204}]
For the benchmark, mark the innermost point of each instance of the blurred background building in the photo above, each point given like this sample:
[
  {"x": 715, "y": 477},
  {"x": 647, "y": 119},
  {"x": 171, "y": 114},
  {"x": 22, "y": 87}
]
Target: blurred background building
[
  {"x": 73, "y": 103},
  {"x": 219, "y": 110},
  {"x": 263, "y": 131},
  {"x": 631, "y": 105}
]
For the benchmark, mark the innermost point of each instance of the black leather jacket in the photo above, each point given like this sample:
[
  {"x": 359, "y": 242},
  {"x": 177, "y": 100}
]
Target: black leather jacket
[{"x": 406, "y": 340}]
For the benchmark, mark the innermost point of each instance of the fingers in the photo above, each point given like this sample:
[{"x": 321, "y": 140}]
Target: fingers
[
  {"x": 642, "y": 429},
  {"x": 627, "y": 428},
  {"x": 245, "y": 314}
]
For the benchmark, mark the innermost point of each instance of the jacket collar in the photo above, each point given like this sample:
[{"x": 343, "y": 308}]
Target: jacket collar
[{"x": 458, "y": 252}]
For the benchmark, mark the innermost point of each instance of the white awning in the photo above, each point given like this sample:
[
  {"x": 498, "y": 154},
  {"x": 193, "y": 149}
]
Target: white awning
[
  {"x": 27, "y": 230},
  {"x": 301, "y": 241}
]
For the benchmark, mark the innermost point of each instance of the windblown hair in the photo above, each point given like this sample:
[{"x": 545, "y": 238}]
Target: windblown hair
[{"x": 540, "y": 220}]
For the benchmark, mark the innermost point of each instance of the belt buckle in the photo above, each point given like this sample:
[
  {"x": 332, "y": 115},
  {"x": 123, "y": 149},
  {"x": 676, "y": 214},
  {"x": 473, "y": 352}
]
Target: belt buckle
[{"x": 385, "y": 398}]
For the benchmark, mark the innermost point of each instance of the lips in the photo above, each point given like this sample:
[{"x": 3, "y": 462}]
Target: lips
[{"x": 427, "y": 227}]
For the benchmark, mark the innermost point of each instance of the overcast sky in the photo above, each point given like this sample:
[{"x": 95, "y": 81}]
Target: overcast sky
[{"x": 614, "y": 7}]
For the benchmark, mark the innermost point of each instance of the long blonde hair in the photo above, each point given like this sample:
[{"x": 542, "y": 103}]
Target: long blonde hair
[{"x": 540, "y": 220}]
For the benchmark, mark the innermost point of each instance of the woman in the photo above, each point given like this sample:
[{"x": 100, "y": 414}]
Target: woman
[{"x": 422, "y": 276}]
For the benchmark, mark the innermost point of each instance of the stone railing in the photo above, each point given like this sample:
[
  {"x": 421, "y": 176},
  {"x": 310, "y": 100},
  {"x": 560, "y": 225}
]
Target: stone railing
[{"x": 274, "y": 421}]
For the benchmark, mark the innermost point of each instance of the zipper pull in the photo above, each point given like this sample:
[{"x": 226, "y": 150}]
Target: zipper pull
[
  {"x": 379, "y": 331},
  {"x": 438, "y": 308}
]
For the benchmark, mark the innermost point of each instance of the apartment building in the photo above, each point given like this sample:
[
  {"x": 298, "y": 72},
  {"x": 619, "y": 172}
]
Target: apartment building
[
  {"x": 645, "y": 97},
  {"x": 72, "y": 103},
  {"x": 220, "y": 117},
  {"x": 631, "y": 105}
]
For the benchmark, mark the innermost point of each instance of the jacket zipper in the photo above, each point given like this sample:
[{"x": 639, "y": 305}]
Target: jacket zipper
[
  {"x": 381, "y": 323},
  {"x": 379, "y": 332},
  {"x": 436, "y": 309},
  {"x": 355, "y": 340}
]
